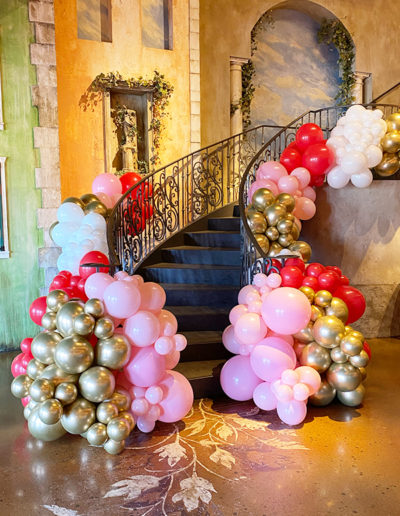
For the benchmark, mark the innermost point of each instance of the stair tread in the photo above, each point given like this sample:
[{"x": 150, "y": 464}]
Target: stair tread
[
  {"x": 197, "y": 286},
  {"x": 195, "y": 310},
  {"x": 201, "y": 369},
  {"x": 172, "y": 265},
  {"x": 202, "y": 337},
  {"x": 200, "y": 248},
  {"x": 213, "y": 232}
]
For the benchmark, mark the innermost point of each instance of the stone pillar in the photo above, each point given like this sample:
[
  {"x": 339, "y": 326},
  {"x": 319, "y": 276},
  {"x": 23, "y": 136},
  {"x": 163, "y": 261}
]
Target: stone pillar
[
  {"x": 358, "y": 89},
  {"x": 236, "y": 64},
  {"x": 194, "y": 74}
]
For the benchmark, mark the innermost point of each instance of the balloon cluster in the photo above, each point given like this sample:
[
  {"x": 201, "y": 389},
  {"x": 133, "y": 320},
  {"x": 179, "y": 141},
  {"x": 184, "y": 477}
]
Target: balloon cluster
[
  {"x": 355, "y": 141},
  {"x": 390, "y": 143},
  {"x": 260, "y": 335},
  {"x": 74, "y": 286},
  {"x": 273, "y": 224},
  {"x": 332, "y": 349},
  {"x": 309, "y": 151}
]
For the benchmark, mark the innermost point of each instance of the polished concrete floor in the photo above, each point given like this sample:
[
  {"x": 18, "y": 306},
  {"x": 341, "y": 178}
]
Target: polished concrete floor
[{"x": 225, "y": 458}]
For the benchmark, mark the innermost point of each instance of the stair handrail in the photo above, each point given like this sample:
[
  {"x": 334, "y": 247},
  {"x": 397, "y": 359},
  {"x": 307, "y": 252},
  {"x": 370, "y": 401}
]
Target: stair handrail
[
  {"x": 254, "y": 259},
  {"x": 394, "y": 87},
  {"x": 174, "y": 196}
]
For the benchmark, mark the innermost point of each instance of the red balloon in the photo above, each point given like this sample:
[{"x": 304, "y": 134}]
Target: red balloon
[
  {"x": 296, "y": 262},
  {"x": 307, "y": 135},
  {"x": 344, "y": 280},
  {"x": 16, "y": 366},
  {"x": 128, "y": 180},
  {"x": 317, "y": 181},
  {"x": 367, "y": 349},
  {"x": 81, "y": 285},
  {"x": 329, "y": 281},
  {"x": 60, "y": 281},
  {"x": 276, "y": 263},
  {"x": 354, "y": 300},
  {"x": 37, "y": 310},
  {"x": 291, "y": 276},
  {"x": 93, "y": 257},
  {"x": 310, "y": 281},
  {"x": 290, "y": 159},
  {"x": 66, "y": 274},
  {"x": 74, "y": 281},
  {"x": 26, "y": 345},
  {"x": 315, "y": 269},
  {"x": 26, "y": 358},
  {"x": 334, "y": 269},
  {"x": 143, "y": 191},
  {"x": 292, "y": 146},
  {"x": 318, "y": 159}
]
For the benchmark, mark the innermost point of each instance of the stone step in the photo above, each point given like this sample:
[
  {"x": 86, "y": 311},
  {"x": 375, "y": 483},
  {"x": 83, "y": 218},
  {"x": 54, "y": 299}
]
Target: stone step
[
  {"x": 192, "y": 254},
  {"x": 213, "y": 238},
  {"x": 203, "y": 376},
  {"x": 200, "y": 318},
  {"x": 204, "y": 345},
  {"x": 190, "y": 273},
  {"x": 224, "y": 224},
  {"x": 183, "y": 294}
]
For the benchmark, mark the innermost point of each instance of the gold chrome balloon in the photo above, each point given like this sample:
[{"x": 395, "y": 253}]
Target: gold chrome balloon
[
  {"x": 57, "y": 375},
  {"x": 351, "y": 345},
  {"x": 262, "y": 198},
  {"x": 328, "y": 331},
  {"x": 104, "y": 328},
  {"x": 97, "y": 384},
  {"x": 78, "y": 416},
  {"x": 338, "y": 308},
  {"x": 343, "y": 377},
  {"x": 121, "y": 400},
  {"x": 94, "y": 307},
  {"x": 274, "y": 250},
  {"x": 285, "y": 226},
  {"x": 35, "y": 368},
  {"x": 272, "y": 233},
  {"x": 75, "y": 200},
  {"x": 106, "y": 411},
  {"x": 118, "y": 429},
  {"x": 274, "y": 214},
  {"x": 257, "y": 222},
  {"x": 338, "y": 356},
  {"x": 129, "y": 418},
  {"x": 303, "y": 248},
  {"x": 21, "y": 385},
  {"x": 56, "y": 299},
  {"x": 352, "y": 398},
  {"x": 393, "y": 122},
  {"x": 66, "y": 393},
  {"x": 360, "y": 360},
  {"x": 41, "y": 389},
  {"x": 49, "y": 321},
  {"x": 391, "y": 142},
  {"x": 285, "y": 240},
  {"x": 114, "y": 447},
  {"x": 44, "y": 345},
  {"x": 357, "y": 334},
  {"x": 324, "y": 395},
  {"x": 114, "y": 352},
  {"x": 316, "y": 312},
  {"x": 74, "y": 354},
  {"x": 89, "y": 197},
  {"x": 84, "y": 324},
  {"x": 97, "y": 434},
  {"x": 28, "y": 409},
  {"x": 315, "y": 356},
  {"x": 305, "y": 335},
  {"x": 66, "y": 316},
  {"x": 42, "y": 431},
  {"x": 309, "y": 292},
  {"x": 263, "y": 242},
  {"x": 323, "y": 298},
  {"x": 287, "y": 201},
  {"x": 295, "y": 232},
  {"x": 363, "y": 372},
  {"x": 96, "y": 207},
  {"x": 389, "y": 165},
  {"x": 50, "y": 411}
]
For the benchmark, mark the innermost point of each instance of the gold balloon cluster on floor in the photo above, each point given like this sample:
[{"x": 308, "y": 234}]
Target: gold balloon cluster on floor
[
  {"x": 274, "y": 226},
  {"x": 90, "y": 203},
  {"x": 390, "y": 143},
  {"x": 334, "y": 350},
  {"x": 71, "y": 385}
]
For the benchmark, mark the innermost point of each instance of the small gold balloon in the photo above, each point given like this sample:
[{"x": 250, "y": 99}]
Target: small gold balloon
[
  {"x": 391, "y": 142},
  {"x": 74, "y": 354},
  {"x": 295, "y": 232},
  {"x": 308, "y": 291},
  {"x": 316, "y": 312},
  {"x": 104, "y": 328},
  {"x": 94, "y": 307},
  {"x": 56, "y": 299},
  {"x": 263, "y": 242},
  {"x": 272, "y": 233},
  {"x": 106, "y": 411},
  {"x": 74, "y": 200},
  {"x": 50, "y": 411},
  {"x": 97, "y": 434},
  {"x": 41, "y": 430},
  {"x": 41, "y": 389},
  {"x": 305, "y": 335},
  {"x": 328, "y": 331},
  {"x": 21, "y": 385},
  {"x": 274, "y": 214},
  {"x": 338, "y": 356},
  {"x": 49, "y": 321},
  {"x": 44, "y": 345},
  {"x": 393, "y": 122},
  {"x": 118, "y": 429},
  {"x": 250, "y": 210},
  {"x": 28, "y": 409},
  {"x": 66, "y": 393},
  {"x": 351, "y": 345},
  {"x": 285, "y": 226},
  {"x": 338, "y": 308},
  {"x": 357, "y": 334},
  {"x": 113, "y": 352},
  {"x": 97, "y": 384},
  {"x": 324, "y": 395},
  {"x": 360, "y": 360},
  {"x": 389, "y": 165},
  {"x": 274, "y": 250},
  {"x": 78, "y": 416},
  {"x": 343, "y": 377},
  {"x": 315, "y": 356},
  {"x": 114, "y": 447},
  {"x": 323, "y": 298},
  {"x": 257, "y": 222},
  {"x": 303, "y": 248},
  {"x": 262, "y": 198},
  {"x": 287, "y": 201},
  {"x": 348, "y": 329},
  {"x": 57, "y": 375},
  {"x": 285, "y": 240},
  {"x": 352, "y": 398},
  {"x": 96, "y": 207},
  {"x": 89, "y": 197},
  {"x": 66, "y": 316},
  {"x": 363, "y": 373},
  {"x": 84, "y": 324},
  {"x": 129, "y": 418},
  {"x": 35, "y": 368},
  {"x": 121, "y": 400}
]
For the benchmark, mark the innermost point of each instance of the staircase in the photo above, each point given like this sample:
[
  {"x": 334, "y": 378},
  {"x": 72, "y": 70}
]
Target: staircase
[{"x": 201, "y": 277}]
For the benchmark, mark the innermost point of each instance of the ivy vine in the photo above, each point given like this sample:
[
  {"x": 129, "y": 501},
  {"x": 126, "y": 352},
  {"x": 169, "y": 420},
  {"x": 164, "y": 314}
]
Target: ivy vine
[{"x": 334, "y": 32}]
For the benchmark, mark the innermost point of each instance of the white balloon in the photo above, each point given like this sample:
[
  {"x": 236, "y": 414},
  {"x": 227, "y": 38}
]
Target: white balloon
[
  {"x": 70, "y": 212},
  {"x": 353, "y": 163},
  {"x": 337, "y": 178},
  {"x": 338, "y": 130},
  {"x": 341, "y": 121},
  {"x": 95, "y": 221},
  {"x": 355, "y": 112},
  {"x": 363, "y": 179},
  {"x": 374, "y": 155},
  {"x": 62, "y": 232},
  {"x": 377, "y": 114},
  {"x": 336, "y": 141}
]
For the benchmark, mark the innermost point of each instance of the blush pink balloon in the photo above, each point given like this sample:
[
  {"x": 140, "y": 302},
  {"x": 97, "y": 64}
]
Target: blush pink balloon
[
  {"x": 154, "y": 394},
  {"x": 140, "y": 406},
  {"x": 164, "y": 345},
  {"x": 143, "y": 329},
  {"x": 263, "y": 183},
  {"x": 272, "y": 170},
  {"x": 301, "y": 392},
  {"x": 310, "y": 377},
  {"x": 282, "y": 392},
  {"x": 27, "y": 357},
  {"x": 274, "y": 280},
  {"x": 153, "y": 296},
  {"x": 250, "y": 328},
  {"x": 302, "y": 175},
  {"x": 263, "y": 397},
  {"x": 16, "y": 367},
  {"x": 286, "y": 310},
  {"x": 168, "y": 323},
  {"x": 290, "y": 377},
  {"x": 310, "y": 193},
  {"x": 288, "y": 184},
  {"x": 236, "y": 312},
  {"x": 288, "y": 338},
  {"x": 178, "y": 397},
  {"x": 268, "y": 363},
  {"x": 180, "y": 342},
  {"x": 145, "y": 367},
  {"x": 238, "y": 379},
  {"x": 120, "y": 275},
  {"x": 229, "y": 340},
  {"x": 281, "y": 344},
  {"x": 305, "y": 208},
  {"x": 145, "y": 424},
  {"x": 260, "y": 280},
  {"x": 96, "y": 284},
  {"x": 121, "y": 299},
  {"x": 108, "y": 184},
  {"x": 243, "y": 293},
  {"x": 105, "y": 199},
  {"x": 292, "y": 412},
  {"x": 172, "y": 359}
]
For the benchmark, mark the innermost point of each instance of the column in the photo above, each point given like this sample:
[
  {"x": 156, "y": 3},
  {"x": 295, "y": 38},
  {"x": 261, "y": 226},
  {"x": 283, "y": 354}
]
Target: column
[
  {"x": 236, "y": 93},
  {"x": 358, "y": 88}
]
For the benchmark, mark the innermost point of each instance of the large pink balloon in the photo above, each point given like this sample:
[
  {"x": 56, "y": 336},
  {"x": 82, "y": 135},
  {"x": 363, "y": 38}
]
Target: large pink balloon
[
  {"x": 305, "y": 208},
  {"x": 236, "y": 312},
  {"x": 96, "y": 284},
  {"x": 288, "y": 184},
  {"x": 172, "y": 359},
  {"x": 292, "y": 412},
  {"x": 153, "y": 296},
  {"x": 286, "y": 310},
  {"x": 178, "y": 397},
  {"x": 310, "y": 377},
  {"x": 280, "y": 343},
  {"x": 238, "y": 379},
  {"x": 310, "y": 193},
  {"x": 143, "y": 329},
  {"x": 263, "y": 397},
  {"x": 146, "y": 367},
  {"x": 263, "y": 183},
  {"x": 250, "y": 328},
  {"x": 243, "y": 293},
  {"x": 229, "y": 340},
  {"x": 302, "y": 175},
  {"x": 121, "y": 299},
  {"x": 289, "y": 339},
  {"x": 269, "y": 363},
  {"x": 168, "y": 323},
  {"x": 272, "y": 170},
  {"x": 108, "y": 184}
]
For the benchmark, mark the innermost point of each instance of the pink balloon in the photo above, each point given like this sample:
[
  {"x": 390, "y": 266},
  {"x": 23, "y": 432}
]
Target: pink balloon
[
  {"x": 143, "y": 329},
  {"x": 153, "y": 296},
  {"x": 286, "y": 310},
  {"x": 154, "y": 394},
  {"x": 271, "y": 170},
  {"x": 96, "y": 284},
  {"x": 255, "y": 306},
  {"x": 168, "y": 323},
  {"x": 178, "y": 397},
  {"x": 108, "y": 184},
  {"x": 305, "y": 208},
  {"x": 269, "y": 363},
  {"x": 16, "y": 366},
  {"x": 310, "y": 193},
  {"x": 238, "y": 379},
  {"x": 290, "y": 377},
  {"x": 301, "y": 391},
  {"x": 105, "y": 199},
  {"x": 140, "y": 406},
  {"x": 281, "y": 344},
  {"x": 260, "y": 280},
  {"x": 145, "y": 424},
  {"x": 26, "y": 345},
  {"x": 243, "y": 293},
  {"x": 121, "y": 299},
  {"x": 229, "y": 340},
  {"x": 263, "y": 397},
  {"x": 172, "y": 359},
  {"x": 164, "y": 345},
  {"x": 310, "y": 377},
  {"x": 180, "y": 342},
  {"x": 250, "y": 328},
  {"x": 302, "y": 175},
  {"x": 274, "y": 280},
  {"x": 292, "y": 412},
  {"x": 145, "y": 368},
  {"x": 25, "y": 401},
  {"x": 120, "y": 275},
  {"x": 263, "y": 183},
  {"x": 288, "y": 338},
  {"x": 236, "y": 312},
  {"x": 282, "y": 392},
  {"x": 288, "y": 184}
]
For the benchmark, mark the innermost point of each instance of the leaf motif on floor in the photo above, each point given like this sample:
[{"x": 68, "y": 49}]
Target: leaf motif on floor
[
  {"x": 174, "y": 452},
  {"x": 133, "y": 486},
  {"x": 60, "y": 511},
  {"x": 194, "y": 489},
  {"x": 224, "y": 431},
  {"x": 223, "y": 457},
  {"x": 195, "y": 428},
  {"x": 251, "y": 424},
  {"x": 276, "y": 442}
]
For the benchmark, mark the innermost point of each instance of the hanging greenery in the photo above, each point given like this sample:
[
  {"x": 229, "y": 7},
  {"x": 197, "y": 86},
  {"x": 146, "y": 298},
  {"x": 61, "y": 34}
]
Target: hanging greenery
[
  {"x": 161, "y": 90},
  {"x": 334, "y": 32}
]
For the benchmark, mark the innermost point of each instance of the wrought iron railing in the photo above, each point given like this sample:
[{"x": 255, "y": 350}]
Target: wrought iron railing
[
  {"x": 169, "y": 199},
  {"x": 254, "y": 260}
]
